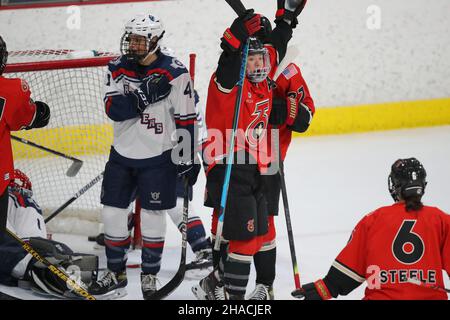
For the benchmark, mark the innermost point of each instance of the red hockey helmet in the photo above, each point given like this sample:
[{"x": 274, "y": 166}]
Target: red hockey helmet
[{"x": 21, "y": 182}]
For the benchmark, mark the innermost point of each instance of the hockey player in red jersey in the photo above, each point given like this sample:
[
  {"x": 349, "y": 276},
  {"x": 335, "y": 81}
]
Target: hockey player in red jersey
[
  {"x": 245, "y": 221},
  {"x": 17, "y": 111},
  {"x": 392, "y": 246},
  {"x": 292, "y": 111}
]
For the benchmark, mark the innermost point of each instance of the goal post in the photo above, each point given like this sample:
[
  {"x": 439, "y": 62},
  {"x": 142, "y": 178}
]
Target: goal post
[{"x": 71, "y": 83}]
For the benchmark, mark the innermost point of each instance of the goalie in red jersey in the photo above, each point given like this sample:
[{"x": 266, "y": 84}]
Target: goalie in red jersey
[
  {"x": 393, "y": 246},
  {"x": 17, "y": 111}
]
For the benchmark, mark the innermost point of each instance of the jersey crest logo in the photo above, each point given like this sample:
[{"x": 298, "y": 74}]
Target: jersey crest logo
[
  {"x": 256, "y": 130},
  {"x": 251, "y": 225},
  {"x": 151, "y": 123}
]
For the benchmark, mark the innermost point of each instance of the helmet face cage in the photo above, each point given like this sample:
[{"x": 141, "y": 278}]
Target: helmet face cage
[
  {"x": 3, "y": 55},
  {"x": 407, "y": 178},
  {"x": 142, "y": 37},
  {"x": 258, "y": 51}
]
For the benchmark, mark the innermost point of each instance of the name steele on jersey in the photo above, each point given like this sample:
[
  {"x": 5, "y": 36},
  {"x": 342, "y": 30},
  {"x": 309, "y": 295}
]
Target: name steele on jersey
[{"x": 378, "y": 277}]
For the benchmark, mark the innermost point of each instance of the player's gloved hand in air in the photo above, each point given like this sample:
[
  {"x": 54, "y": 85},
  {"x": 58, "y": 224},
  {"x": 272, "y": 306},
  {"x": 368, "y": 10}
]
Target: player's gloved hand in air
[
  {"x": 190, "y": 170},
  {"x": 313, "y": 291},
  {"x": 289, "y": 10},
  {"x": 242, "y": 27},
  {"x": 153, "y": 89}
]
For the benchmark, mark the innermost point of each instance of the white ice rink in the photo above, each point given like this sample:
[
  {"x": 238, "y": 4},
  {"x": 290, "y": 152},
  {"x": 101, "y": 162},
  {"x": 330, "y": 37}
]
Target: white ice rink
[{"x": 332, "y": 182}]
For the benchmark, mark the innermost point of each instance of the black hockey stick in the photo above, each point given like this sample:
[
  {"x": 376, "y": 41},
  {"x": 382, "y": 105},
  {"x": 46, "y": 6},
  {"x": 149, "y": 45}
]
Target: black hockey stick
[
  {"x": 73, "y": 169},
  {"x": 237, "y": 6},
  {"x": 170, "y": 286},
  {"x": 287, "y": 214},
  {"x": 75, "y": 197},
  {"x": 78, "y": 288}
]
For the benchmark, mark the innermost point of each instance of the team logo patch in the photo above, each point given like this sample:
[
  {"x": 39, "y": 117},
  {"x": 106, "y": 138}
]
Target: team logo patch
[
  {"x": 251, "y": 225},
  {"x": 25, "y": 86},
  {"x": 155, "y": 197}
]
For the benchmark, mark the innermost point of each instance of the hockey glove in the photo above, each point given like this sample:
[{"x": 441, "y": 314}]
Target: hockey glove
[
  {"x": 289, "y": 10},
  {"x": 189, "y": 170},
  {"x": 313, "y": 291},
  {"x": 242, "y": 27},
  {"x": 153, "y": 89},
  {"x": 42, "y": 116},
  {"x": 283, "y": 111}
]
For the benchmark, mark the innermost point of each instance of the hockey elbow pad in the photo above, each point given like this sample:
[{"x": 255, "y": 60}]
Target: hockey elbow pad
[{"x": 42, "y": 116}]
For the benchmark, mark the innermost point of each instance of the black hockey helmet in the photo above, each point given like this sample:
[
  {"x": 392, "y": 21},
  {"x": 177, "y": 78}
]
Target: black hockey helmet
[
  {"x": 3, "y": 55},
  {"x": 407, "y": 178}
]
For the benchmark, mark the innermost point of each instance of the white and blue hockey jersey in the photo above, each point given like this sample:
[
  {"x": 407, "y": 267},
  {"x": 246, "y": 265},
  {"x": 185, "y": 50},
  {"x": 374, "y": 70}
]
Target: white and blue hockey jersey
[{"x": 152, "y": 133}]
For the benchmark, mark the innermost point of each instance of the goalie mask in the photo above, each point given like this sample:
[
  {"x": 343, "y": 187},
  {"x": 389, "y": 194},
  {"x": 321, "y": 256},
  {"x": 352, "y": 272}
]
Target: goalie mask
[
  {"x": 142, "y": 37},
  {"x": 407, "y": 179},
  {"x": 21, "y": 184},
  {"x": 3, "y": 55},
  {"x": 258, "y": 61}
]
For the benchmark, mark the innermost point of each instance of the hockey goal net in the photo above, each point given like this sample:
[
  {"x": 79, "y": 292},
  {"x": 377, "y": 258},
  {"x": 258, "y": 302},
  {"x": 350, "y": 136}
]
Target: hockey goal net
[{"x": 71, "y": 83}]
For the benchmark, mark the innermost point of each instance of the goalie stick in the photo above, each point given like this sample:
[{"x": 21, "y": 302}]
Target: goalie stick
[
  {"x": 79, "y": 288},
  {"x": 75, "y": 197},
  {"x": 73, "y": 169}
]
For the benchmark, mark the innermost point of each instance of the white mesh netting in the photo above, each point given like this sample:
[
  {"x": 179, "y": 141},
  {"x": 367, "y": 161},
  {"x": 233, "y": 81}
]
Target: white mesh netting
[{"x": 78, "y": 127}]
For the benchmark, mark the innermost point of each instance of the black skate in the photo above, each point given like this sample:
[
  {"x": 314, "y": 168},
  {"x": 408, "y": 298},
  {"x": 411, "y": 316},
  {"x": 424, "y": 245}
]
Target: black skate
[
  {"x": 110, "y": 286},
  {"x": 210, "y": 288},
  {"x": 262, "y": 292},
  {"x": 148, "y": 285},
  {"x": 203, "y": 260}
]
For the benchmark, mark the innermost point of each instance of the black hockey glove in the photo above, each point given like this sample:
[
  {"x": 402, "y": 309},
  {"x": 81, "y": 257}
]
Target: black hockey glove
[
  {"x": 189, "y": 170},
  {"x": 289, "y": 10},
  {"x": 42, "y": 116},
  {"x": 313, "y": 291},
  {"x": 242, "y": 27},
  {"x": 279, "y": 112},
  {"x": 153, "y": 89}
]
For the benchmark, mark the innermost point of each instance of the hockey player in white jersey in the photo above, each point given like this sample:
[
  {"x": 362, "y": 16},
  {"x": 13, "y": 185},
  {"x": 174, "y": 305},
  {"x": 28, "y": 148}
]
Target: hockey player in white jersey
[{"x": 149, "y": 97}]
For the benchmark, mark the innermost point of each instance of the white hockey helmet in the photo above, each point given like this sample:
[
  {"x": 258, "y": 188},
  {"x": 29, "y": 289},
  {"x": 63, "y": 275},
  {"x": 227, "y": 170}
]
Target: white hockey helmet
[{"x": 142, "y": 36}]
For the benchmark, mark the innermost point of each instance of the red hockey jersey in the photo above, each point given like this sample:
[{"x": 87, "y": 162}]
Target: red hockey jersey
[
  {"x": 17, "y": 111},
  {"x": 253, "y": 119},
  {"x": 291, "y": 83},
  {"x": 390, "y": 246}
]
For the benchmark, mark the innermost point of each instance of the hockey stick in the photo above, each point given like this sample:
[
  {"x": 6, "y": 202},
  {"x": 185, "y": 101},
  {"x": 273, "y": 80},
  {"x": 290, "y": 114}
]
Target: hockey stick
[
  {"x": 75, "y": 197},
  {"x": 170, "y": 286},
  {"x": 230, "y": 157},
  {"x": 427, "y": 285},
  {"x": 79, "y": 289},
  {"x": 276, "y": 141},
  {"x": 237, "y": 6},
  {"x": 73, "y": 169}
]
